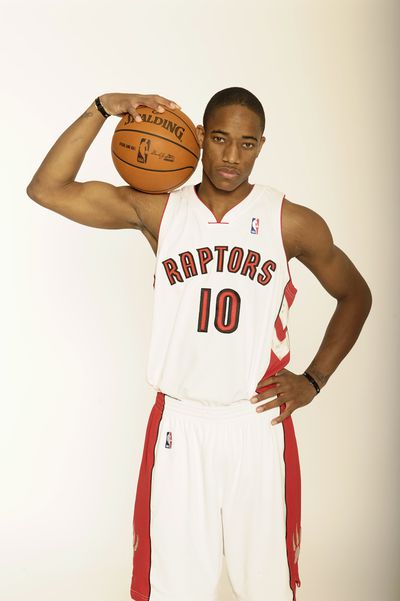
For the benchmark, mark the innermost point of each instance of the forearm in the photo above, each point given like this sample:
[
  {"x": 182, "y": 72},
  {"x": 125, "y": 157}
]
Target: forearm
[
  {"x": 64, "y": 159},
  {"x": 341, "y": 334}
]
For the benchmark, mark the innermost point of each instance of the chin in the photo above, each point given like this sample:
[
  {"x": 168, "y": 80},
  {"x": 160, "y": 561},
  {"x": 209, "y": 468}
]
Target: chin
[{"x": 225, "y": 184}]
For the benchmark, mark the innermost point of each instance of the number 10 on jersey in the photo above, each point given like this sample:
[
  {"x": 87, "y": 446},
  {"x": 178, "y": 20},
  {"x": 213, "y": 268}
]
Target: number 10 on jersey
[{"x": 225, "y": 307}]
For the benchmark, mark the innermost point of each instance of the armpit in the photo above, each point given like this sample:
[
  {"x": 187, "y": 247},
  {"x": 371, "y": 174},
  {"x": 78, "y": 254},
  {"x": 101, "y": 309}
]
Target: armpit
[{"x": 151, "y": 239}]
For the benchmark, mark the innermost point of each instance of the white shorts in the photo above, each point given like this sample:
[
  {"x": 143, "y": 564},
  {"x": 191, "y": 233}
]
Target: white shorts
[{"x": 214, "y": 481}]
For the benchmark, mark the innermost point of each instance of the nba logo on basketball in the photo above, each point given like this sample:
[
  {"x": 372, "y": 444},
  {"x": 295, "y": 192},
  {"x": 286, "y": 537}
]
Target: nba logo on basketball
[
  {"x": 168, "y": 440},
  {"x": 255, "y": 224}
]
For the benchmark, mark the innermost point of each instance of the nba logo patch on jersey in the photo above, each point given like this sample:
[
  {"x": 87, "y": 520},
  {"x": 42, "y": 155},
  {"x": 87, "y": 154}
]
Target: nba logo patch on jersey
[
  {"x": 255, "y": 224},
  {"x": 168, "y": 440}
]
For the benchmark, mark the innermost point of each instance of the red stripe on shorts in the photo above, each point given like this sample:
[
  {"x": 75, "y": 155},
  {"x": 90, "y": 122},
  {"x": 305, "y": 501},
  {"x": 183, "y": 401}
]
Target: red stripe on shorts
[
  {"x": 293, "y": 500},
  {"x": 140, "y": 584}
]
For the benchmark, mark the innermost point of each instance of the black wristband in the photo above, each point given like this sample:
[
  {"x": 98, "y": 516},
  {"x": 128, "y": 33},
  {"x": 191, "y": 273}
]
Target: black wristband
[
  {"x": 313, "y": 382},
  {"x": 101, "y": 108}
]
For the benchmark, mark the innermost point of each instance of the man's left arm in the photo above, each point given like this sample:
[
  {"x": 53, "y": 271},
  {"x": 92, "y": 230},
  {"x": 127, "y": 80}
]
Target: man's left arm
[{"x": 307, "y": 237}]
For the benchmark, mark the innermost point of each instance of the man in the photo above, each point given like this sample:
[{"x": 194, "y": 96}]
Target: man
[{"x": 218, "y": 474}]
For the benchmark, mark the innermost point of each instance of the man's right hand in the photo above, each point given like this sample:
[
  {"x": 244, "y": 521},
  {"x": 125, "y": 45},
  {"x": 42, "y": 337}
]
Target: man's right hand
[{"x": 120, "y": 104}]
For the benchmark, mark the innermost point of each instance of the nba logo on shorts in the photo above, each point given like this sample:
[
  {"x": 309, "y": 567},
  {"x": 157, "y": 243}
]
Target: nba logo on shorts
[
  {"x": 168, "y": 440},
  {"x": 255, "y": 224}
]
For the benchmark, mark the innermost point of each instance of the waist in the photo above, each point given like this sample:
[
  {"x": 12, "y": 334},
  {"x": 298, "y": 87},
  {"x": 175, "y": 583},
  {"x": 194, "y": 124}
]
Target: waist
[{"x": 207, "y": 410}]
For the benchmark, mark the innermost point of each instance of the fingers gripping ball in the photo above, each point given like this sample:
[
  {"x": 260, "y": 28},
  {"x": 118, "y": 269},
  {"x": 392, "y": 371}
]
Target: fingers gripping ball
[{"x": 157, "y": 154}]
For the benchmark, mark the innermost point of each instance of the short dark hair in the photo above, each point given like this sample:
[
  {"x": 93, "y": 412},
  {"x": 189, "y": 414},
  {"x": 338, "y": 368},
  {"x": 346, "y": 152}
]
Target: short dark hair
[{"x": 230, "y": 96}]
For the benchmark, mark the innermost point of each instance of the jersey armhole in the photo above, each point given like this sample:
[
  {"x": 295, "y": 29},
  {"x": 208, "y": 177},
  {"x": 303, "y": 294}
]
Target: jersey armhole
[
  {"x": 162, "y": 217},
  {"x": 294, "y": 289}
]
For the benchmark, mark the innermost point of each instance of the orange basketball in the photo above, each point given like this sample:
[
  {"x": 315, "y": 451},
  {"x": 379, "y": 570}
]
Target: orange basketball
[{"x": 157, "y": 154}]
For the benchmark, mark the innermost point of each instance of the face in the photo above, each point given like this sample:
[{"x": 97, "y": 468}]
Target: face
[{"x": 231, "y": 143}]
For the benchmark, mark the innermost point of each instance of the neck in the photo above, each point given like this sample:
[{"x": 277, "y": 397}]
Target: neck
[{"x": 220, "y": 201}]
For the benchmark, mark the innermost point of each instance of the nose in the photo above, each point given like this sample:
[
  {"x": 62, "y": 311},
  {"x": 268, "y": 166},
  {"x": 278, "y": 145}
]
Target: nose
[{"x": 231, "y": 153}]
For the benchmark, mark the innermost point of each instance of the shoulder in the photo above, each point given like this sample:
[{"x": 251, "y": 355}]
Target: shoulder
[
  {"x": 149, "y": 207},
  {"x": 304, "y": 231},
  {"x": 142, "y": 202}
]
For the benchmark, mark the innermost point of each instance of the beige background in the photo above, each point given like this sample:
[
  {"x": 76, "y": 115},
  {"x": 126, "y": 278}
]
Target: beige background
[{"x": 76, "y": 301}]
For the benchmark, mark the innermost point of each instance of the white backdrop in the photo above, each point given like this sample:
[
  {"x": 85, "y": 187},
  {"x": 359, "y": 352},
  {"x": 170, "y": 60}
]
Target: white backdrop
[{"x": 76, "y": 301}]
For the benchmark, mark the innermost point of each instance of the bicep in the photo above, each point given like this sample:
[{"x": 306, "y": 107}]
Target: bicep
[
  {"x": 330, "y": 265},
  {"x": 92, "y": 203}
]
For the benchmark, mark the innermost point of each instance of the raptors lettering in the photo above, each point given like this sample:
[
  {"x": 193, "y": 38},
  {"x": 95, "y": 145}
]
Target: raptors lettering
[{"x": 221, "y": 258}]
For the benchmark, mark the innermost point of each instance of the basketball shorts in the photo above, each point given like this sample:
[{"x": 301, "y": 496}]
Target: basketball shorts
[{"x": 216, "y": 481}]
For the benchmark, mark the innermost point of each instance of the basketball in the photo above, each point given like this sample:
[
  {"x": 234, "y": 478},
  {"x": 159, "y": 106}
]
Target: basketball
[{"x": 157, "y": 154}]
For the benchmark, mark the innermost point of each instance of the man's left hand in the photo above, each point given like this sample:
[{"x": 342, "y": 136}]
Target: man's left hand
[{"x": 292, "y": 389}]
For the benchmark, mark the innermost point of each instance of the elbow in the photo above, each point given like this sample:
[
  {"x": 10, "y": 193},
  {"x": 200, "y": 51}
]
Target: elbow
[
  {"x": 368, "y": 298},
  {"x": 30, "y": 190},
  {"x": 365, "y": 295},
  {"x": 30, "y": 193},
  {"x": 365, "y": 302},
  {"x": 35, "y": 193},
  {"x": 360, "y": 296}
]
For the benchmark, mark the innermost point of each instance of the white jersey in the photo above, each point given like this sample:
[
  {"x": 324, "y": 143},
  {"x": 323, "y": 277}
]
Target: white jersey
[{"x": 222, "y": 293}]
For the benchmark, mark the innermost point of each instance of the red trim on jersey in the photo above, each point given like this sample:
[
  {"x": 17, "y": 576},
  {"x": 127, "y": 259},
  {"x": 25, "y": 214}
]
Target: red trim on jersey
[
  {"x": 287, "y": 262},
  {"x": 140, "y": 583},
  {"x": 292, "y": 500},
  {"x": 275, "y": 364},
  {"x": 290, "y": 292},
  {"x": 280, "y": 330},
  {"x": 211, "y": 211},
  {"x": 165, "y": 206}
]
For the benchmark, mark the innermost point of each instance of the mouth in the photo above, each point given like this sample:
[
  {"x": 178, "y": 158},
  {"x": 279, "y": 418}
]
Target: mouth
[{"x": 228, "y": 172}]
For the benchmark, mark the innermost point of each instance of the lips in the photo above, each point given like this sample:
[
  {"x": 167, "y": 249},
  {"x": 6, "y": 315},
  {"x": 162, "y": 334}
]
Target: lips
[{"x": 228, "y": 172}]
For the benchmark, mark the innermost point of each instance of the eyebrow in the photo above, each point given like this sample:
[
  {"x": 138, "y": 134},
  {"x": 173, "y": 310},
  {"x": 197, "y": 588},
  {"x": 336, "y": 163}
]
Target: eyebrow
[{"x": 225, "y": 133}]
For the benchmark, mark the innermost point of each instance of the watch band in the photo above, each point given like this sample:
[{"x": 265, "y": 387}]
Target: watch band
[
  {"x": 101, "y": 108},
  {"x": 313, "y": 382}
]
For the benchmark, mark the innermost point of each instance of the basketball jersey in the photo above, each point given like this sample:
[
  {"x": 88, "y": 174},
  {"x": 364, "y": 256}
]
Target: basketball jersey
[{"x": 222, "y": 293}]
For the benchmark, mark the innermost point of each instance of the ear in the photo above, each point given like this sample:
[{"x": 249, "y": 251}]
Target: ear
[
  {"x": 261, "y": 144},
  {"x": 200, "y": 134}
]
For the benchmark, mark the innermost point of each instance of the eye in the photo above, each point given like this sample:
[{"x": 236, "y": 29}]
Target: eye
[
  {"x": 218, "y": 139},
  {"x": 248, "y": 145}
]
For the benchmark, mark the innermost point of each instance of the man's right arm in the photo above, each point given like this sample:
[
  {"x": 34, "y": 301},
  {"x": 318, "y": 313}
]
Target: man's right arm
[{"x": 93, "y": 203}]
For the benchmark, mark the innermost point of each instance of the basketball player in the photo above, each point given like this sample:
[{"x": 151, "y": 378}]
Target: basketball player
[{"x": 220, "y": 471}]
